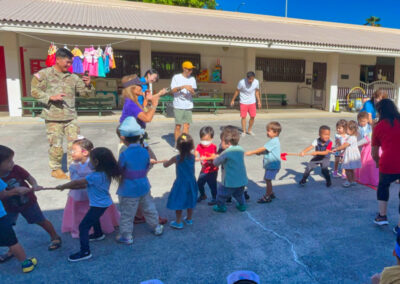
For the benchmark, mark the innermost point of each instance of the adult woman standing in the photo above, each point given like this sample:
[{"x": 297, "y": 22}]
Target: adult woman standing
[
  {"x": 369, "y": 106},
  {"x": 150, "y": 76},
  {"x": 386, "y": 135}
]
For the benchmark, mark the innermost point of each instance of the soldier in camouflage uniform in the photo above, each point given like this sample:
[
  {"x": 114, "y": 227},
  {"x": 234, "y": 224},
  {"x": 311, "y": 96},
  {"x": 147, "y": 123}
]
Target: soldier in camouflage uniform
[{"x": 56, "y": 88}]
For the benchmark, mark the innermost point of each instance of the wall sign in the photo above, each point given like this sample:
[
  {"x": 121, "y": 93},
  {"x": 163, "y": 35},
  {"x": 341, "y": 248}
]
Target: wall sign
[{"x": 37, "y": 65}]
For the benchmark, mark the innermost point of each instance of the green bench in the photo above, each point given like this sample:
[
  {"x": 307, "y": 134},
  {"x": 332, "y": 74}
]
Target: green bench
[
  {"x": 98, "y": 105},
  {"x": 280, "y": 98},
  {"x": 32, "y": 105},
  {"x": 199, "y": 103}
]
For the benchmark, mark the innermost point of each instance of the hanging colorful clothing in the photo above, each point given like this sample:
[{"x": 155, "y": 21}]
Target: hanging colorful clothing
[
  {"x": 90, "y": 61},
  {"x": 106, "y": 63},
  {"x": 77, "y": 65},
  {"x": 51, "y": 55},
  {"x": 110, "y": 53},
  {"x": 100, "y": 63}
]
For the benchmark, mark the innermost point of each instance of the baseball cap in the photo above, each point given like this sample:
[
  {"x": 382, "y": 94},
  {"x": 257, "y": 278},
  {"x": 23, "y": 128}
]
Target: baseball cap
[
  {"x": 129, "y": 127},
  {"x": 188, "y": 65}
]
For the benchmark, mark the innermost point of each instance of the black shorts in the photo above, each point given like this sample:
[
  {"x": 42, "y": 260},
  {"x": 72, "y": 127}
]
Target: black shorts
[{"x": 7, "y": 234}]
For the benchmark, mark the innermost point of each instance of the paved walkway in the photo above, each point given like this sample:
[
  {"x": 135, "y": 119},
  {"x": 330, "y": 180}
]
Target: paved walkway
[{"x": 306, "y": 235}]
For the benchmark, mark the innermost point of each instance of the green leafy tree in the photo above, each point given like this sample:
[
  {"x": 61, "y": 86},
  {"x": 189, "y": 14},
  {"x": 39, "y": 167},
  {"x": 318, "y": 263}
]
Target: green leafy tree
[
  {"x": 210, "y": 4},
  {"x": 373, "y": 21}
]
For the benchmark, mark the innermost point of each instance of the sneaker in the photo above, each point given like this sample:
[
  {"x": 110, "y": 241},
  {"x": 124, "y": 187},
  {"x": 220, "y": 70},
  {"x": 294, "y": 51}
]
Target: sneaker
[
  {"x": 246, "y": 195},
  {"x": 220, "y": 209},
  {"x": 176, "y": 225},
  {"x": 335, "y": 174},
  {"x": 328, "y": 183},
  {"x": 201, "y": 198},
  {"x": 229, "y": 200},
  {"x": 159, "y": 230},
  {"x": 79, "y": 256},
  {"x": 93, "y": 238},
  {"x": 396, "y": 230},
  {"x": 188, "y": 222},
  {"x": 346, "y": 184},
  {"x": 243, "y": 134},
  {"x": 212, "y": 202},
  {"x": 251, "y": 133},
  {"x": 241, "y": 208},
  {"x": 29, "y": 265},
  {"x": 302, "y": 182},
  {"x": 381, "y": 220},
  {"x": 127, "y": 241},
  {"x": 59, "y": 174}
]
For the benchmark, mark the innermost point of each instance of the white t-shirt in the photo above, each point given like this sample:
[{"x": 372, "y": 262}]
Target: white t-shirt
[
  {"x": 247, "y": 91},
  {"x": 183, "y": 99}
]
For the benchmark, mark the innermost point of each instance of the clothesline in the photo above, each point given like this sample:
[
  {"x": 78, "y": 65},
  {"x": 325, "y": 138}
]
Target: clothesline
[{"x": 70, "y": 44}]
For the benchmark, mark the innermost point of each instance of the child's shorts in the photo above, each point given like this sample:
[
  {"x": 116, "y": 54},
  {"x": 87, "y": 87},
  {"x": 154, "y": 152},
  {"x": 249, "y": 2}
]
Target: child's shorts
[
  {"x": 270, "y": 174},
  {"x": 33, "y": 215},
  {"x": 7, "y": 234}
]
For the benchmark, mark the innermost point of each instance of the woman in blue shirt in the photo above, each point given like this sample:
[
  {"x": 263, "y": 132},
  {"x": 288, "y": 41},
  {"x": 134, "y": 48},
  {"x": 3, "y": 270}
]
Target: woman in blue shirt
[
  {"x": 151, "y": 76},
  {"x": 369, "y": 106}
]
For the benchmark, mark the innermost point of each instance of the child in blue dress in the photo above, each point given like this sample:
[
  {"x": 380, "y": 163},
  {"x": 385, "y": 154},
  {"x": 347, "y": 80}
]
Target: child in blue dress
[
  {"x": 97, "y": 185},
  {"x": 184, "y": 191}
]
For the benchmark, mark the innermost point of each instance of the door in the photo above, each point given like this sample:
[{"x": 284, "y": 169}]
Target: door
[
  {"x": 3, "y": 81},
  {"x": 319, "y": 76}
]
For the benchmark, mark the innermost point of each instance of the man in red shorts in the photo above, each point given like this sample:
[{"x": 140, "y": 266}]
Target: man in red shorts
[{"x": 249, "y": 90}]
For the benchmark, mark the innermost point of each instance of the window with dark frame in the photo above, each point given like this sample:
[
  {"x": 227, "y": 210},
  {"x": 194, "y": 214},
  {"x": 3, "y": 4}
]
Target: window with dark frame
[
  {"x": 168, "y": 64},
  {"x": 281, "y": 70},
  {"x": 127, "y": 62}
]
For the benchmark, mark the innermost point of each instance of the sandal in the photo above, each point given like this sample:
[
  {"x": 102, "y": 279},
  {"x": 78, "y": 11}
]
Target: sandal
[
  {"x": 265, "y": 199},
  {"x": 6, "y": 257},
  {"x": 55, "y": 244}
]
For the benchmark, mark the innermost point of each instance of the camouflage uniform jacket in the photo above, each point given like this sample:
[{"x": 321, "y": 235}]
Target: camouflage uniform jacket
[{"x": 49, "y": 82}]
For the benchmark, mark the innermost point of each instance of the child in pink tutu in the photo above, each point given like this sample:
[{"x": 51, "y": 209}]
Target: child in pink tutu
[
  {"x": 368, "y": 173},
  {"x": 78, "y": 201}
]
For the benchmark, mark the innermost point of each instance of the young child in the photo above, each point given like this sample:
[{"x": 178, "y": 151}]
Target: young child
[
  {"x": 139, "y": 218},
  {"x": 234, "y": 177},
  {"x": 26, "y": 205},
  {"x": 134, "y": 189},
  {"x": 78, "y": 201},
  {"x": 184, "y": 191},
  {"x": 7, "y": 234},
  {"x": 351, "y": 157},
  {"x": 322, "y": 149},
  {"x": 205, "y": 152},
  {"x": 368, "y": 173},
  {"x": 272, "y": 159},
  {"x": 390, "y": 274},
  {"x": 98, "y": 186},
  {"x": 340, "y": 136}
]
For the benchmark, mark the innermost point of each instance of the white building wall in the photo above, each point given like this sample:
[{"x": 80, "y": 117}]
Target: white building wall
[{"x": 351, "y": 65}]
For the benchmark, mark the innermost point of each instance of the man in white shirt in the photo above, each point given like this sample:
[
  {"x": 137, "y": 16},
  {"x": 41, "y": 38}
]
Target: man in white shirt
[
  {"x": 183, "y": 87},
  {"x": 249, "y": 90}
]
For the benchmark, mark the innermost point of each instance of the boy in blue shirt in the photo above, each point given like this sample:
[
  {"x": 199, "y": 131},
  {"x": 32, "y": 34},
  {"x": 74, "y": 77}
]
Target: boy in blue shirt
[
  {"x": 272, "y": 159},
  {"x": 134, "y": 189},
  {"x": 7, "y": 234},
  {"x": 234, "y": 176}
]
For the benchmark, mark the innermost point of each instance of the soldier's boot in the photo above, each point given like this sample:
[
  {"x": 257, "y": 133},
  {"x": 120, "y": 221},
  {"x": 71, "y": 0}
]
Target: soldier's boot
[{"x": 59, "y": 174}]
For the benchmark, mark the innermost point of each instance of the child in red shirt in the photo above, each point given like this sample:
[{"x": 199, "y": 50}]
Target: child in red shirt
[
  {"x": 26, "y": 205},
  {"x": 206, "y": 152}
]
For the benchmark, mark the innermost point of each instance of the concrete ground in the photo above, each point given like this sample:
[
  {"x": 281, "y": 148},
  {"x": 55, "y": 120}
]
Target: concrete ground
[{"x": 306, "y": 235}]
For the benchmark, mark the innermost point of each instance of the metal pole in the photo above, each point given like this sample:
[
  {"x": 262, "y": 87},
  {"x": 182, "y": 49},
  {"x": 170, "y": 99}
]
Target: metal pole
[{"x": 286, "y": 6}]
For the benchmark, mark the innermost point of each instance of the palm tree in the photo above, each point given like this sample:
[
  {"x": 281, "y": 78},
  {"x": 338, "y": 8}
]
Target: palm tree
[{"x": 373, "y": 21}]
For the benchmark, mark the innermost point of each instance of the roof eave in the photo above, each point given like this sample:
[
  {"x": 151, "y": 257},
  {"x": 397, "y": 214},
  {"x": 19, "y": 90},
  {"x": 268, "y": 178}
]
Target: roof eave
[{"x": 26, "y": 27}]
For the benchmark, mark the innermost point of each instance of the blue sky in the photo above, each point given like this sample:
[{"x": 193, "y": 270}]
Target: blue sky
[{"x": 343, "y": 11}]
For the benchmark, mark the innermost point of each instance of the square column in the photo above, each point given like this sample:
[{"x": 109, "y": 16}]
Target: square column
[
  {"x": 145, "y": 56},
  {"x": 332, "y": 78},
  {"x": 14, "y": 92},
  {"x": 250, "y": 59},
  {"x": 397, "y": 80}
]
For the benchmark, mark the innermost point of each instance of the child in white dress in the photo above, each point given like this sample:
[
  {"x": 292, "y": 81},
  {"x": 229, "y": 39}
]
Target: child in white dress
[{"x": 352, "y": 157}]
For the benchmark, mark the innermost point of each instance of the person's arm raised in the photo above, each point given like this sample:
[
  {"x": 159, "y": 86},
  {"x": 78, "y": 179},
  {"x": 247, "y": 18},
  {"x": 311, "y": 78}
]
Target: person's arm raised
[{"x": 148, "y": 115}]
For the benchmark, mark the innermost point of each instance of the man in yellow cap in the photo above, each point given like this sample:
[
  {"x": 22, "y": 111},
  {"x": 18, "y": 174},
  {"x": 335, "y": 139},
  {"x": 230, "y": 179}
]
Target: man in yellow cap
[{"x": 183, "y": 87}]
